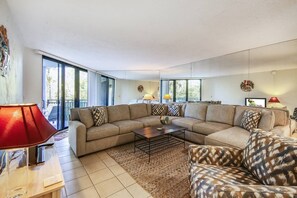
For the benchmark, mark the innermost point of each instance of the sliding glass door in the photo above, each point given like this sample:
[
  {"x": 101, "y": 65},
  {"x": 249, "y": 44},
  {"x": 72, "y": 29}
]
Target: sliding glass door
[
  {"x": 64, "y": 87},
  {"x": 106, "y": 91}
]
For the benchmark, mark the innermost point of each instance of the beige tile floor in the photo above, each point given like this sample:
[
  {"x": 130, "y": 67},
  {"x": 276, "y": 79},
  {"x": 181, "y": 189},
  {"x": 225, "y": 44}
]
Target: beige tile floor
[{"x": 95, "y": 176}]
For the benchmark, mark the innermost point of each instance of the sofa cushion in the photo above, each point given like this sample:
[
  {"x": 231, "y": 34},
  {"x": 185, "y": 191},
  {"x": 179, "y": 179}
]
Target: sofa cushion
[
  {"x": 99, "y": 115},
  {"x": 86, "y": 117},
  {"x": 127, "y": 126},
  {"x": 210, "y": 180},
  {"x": 235, "y": 137},
  {"x": 281, "y": 117},
  {"x": 138, "y": 111},
  {"x": 186, "y": 122},
  {"x": 250, "y": 120},
  {"x": 271, "y": 158},
  {"x": 196, "y": 110},
  {"x": 220, "y": 113},
  {"x": 267, "y": 120},
  {"x": 159, "y": 109},
  {"x": 174, "y": 110},
  {"x": 207, "y": 128},
  {"x": 103, "y": 131},
  {"x": 149, "y": 121},
  {"x": 118, "y": 113}
]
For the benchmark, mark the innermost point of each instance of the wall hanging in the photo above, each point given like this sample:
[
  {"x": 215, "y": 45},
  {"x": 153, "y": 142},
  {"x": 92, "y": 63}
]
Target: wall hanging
[
  {"x": 4, "y": 51},
  {"x": 140, "y": 88},
  {"x": 247, "y": 85}
]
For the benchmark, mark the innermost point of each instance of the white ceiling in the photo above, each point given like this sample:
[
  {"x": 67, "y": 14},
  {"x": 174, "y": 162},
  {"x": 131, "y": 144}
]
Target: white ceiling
[{"x": 151, "y": 34}]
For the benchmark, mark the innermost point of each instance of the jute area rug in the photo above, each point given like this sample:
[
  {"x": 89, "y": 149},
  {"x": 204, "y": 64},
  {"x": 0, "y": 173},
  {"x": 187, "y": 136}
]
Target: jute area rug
[{"x": 165, "y": 176}]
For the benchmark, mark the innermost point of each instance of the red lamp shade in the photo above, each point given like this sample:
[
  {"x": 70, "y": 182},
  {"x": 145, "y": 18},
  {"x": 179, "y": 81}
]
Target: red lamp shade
[
  {"x": 274, "y": 99},
  {"x": 23, "y": 126}
]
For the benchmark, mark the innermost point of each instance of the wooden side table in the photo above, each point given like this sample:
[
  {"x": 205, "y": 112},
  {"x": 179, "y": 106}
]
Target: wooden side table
[{"x": 37, "y": 175}]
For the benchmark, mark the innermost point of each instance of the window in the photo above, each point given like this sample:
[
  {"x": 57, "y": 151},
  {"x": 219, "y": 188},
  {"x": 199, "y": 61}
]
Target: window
[
  {"x": 181, "y": 90},
  {"x": 64, "y": 87}
]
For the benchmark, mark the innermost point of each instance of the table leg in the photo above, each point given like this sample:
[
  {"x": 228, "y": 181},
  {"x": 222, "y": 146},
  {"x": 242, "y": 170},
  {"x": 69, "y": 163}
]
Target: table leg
[
  {"x": 184, "y": 138},
  {"x": 149, "y": 150},
  {"x": 134, "y": 142}
]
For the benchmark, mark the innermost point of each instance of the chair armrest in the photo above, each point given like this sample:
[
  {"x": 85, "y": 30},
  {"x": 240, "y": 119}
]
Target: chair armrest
[
  {"x": 77, "y": 137},
  {"x": 215, "y": 155},
  {"x": 256, "y": 191}
]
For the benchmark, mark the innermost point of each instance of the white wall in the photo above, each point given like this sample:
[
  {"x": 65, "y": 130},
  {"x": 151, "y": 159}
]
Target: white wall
[
  {"x": 11, "y": 89},
  {"x": 126, "y": 90},
  {"x": 32, "y": 77},
  {"x": 227, "y": 88}
]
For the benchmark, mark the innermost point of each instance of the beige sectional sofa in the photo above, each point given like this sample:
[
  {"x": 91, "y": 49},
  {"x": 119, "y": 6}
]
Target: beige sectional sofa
[{"x": 205, "y": 123}]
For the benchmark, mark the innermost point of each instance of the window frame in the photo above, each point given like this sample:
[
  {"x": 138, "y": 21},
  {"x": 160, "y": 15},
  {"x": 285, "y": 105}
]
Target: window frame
[{"x": 174, "y": 88}]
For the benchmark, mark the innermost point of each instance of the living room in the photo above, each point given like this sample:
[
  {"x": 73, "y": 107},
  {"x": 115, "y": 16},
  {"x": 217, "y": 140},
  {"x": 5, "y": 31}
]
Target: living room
[{"x": 190, "y": 66}]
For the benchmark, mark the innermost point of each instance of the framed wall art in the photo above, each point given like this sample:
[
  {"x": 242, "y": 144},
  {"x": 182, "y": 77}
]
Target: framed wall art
[
  {"x": 255, "y": 102},
  {"x": 4, "y": 51}
]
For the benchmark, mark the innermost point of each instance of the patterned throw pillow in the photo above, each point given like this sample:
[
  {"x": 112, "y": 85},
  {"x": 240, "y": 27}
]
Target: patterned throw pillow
[
  {"x": 158, "y": 109},
  {"x": 250, "y": 120},
  {"x": 174, "y": 110},
  {"x": 271, "y": 158},
  {"x": 98, "y": 115}
]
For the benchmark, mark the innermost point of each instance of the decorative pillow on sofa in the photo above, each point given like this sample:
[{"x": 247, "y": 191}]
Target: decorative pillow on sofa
[
  {"x": 250, "y": 120},
  {"x": 271, "y": 158},
  {"x": 99, "y": 115},
  {"x": 174, "y": 110},
  {"x": 159, "y": 109}
]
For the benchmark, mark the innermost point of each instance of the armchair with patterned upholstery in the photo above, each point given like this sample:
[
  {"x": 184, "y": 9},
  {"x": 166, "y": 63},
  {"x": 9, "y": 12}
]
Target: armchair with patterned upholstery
[{"x": 267, "y": 167}]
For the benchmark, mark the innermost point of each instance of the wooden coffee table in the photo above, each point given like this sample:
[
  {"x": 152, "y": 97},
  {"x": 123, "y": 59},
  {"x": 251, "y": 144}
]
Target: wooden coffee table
[{"x": 151, "y": 140}]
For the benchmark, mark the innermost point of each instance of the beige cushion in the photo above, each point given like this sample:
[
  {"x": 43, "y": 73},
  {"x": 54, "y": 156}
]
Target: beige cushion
[
  {"x": 207, "y": 128},
  {"x": 267, "y": 120},
  {"x": 127, "y": 126},
  {"x": 149, "y": 109},
  {"x": 234, "y": 137},
  {"x": 103, "y": 131},
  {"x": 99, "y": 115},
  {"x": 220, "y": 113},
  {"x": 196, "y": 110},
  {"x": 281, "y": 117},
  {"x": 153, "y": 120},
  {"x": 149, "y": 121},
  {"x": 137, "y": 111},
  {"x": 85, "y": 116},
  {"x": 186, "y": 122},
  {"x": 74, "y": 114},
  {"x": 118, "y": 113}
]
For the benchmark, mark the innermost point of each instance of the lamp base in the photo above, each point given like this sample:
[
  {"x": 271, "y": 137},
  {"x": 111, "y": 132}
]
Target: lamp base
[{"x": 36, "y": 155}]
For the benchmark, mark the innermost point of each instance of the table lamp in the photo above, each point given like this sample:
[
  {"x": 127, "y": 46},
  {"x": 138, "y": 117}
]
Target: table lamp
[
  {"x": 167, "y": 97},
  {"x": 21, "y": 126},
  {"x": 148, "y": 97},
  {"x": 274, "y": 100}
]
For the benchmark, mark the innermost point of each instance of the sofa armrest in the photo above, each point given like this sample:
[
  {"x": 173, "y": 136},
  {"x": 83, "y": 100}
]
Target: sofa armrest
[
  {"x": 215, "y": 155},
  {"x": 77, "y": 137},
  {"x": 255, "y": 191}
]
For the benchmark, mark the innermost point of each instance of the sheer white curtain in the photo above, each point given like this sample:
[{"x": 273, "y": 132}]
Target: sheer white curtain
[{"x": 93, "y": 88}]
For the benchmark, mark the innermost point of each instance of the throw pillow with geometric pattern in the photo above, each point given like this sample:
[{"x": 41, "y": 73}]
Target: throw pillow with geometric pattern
[
  {"x": 158, "y": 109},
  {"x": 174, "y": 110},
  {"x": 98, "y": 115},
  {"x": 250, "y": 120},
  {"x": 271, "y": 158}
]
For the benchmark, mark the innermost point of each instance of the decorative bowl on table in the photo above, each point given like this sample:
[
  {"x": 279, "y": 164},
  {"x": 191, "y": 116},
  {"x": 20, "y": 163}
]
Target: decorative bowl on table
[{"x": 164, "y": 120}]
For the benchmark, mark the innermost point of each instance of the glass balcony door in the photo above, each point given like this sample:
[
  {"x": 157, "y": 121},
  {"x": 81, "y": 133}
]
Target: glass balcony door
[{"x": 64, "y": 87}]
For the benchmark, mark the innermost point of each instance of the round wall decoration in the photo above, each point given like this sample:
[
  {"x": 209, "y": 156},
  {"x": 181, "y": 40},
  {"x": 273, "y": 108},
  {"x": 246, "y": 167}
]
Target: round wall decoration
[
  {"x": 247, "y": 85},
  {"x": 4, "y": 51},
  {"x": 140, "y": 88}
]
